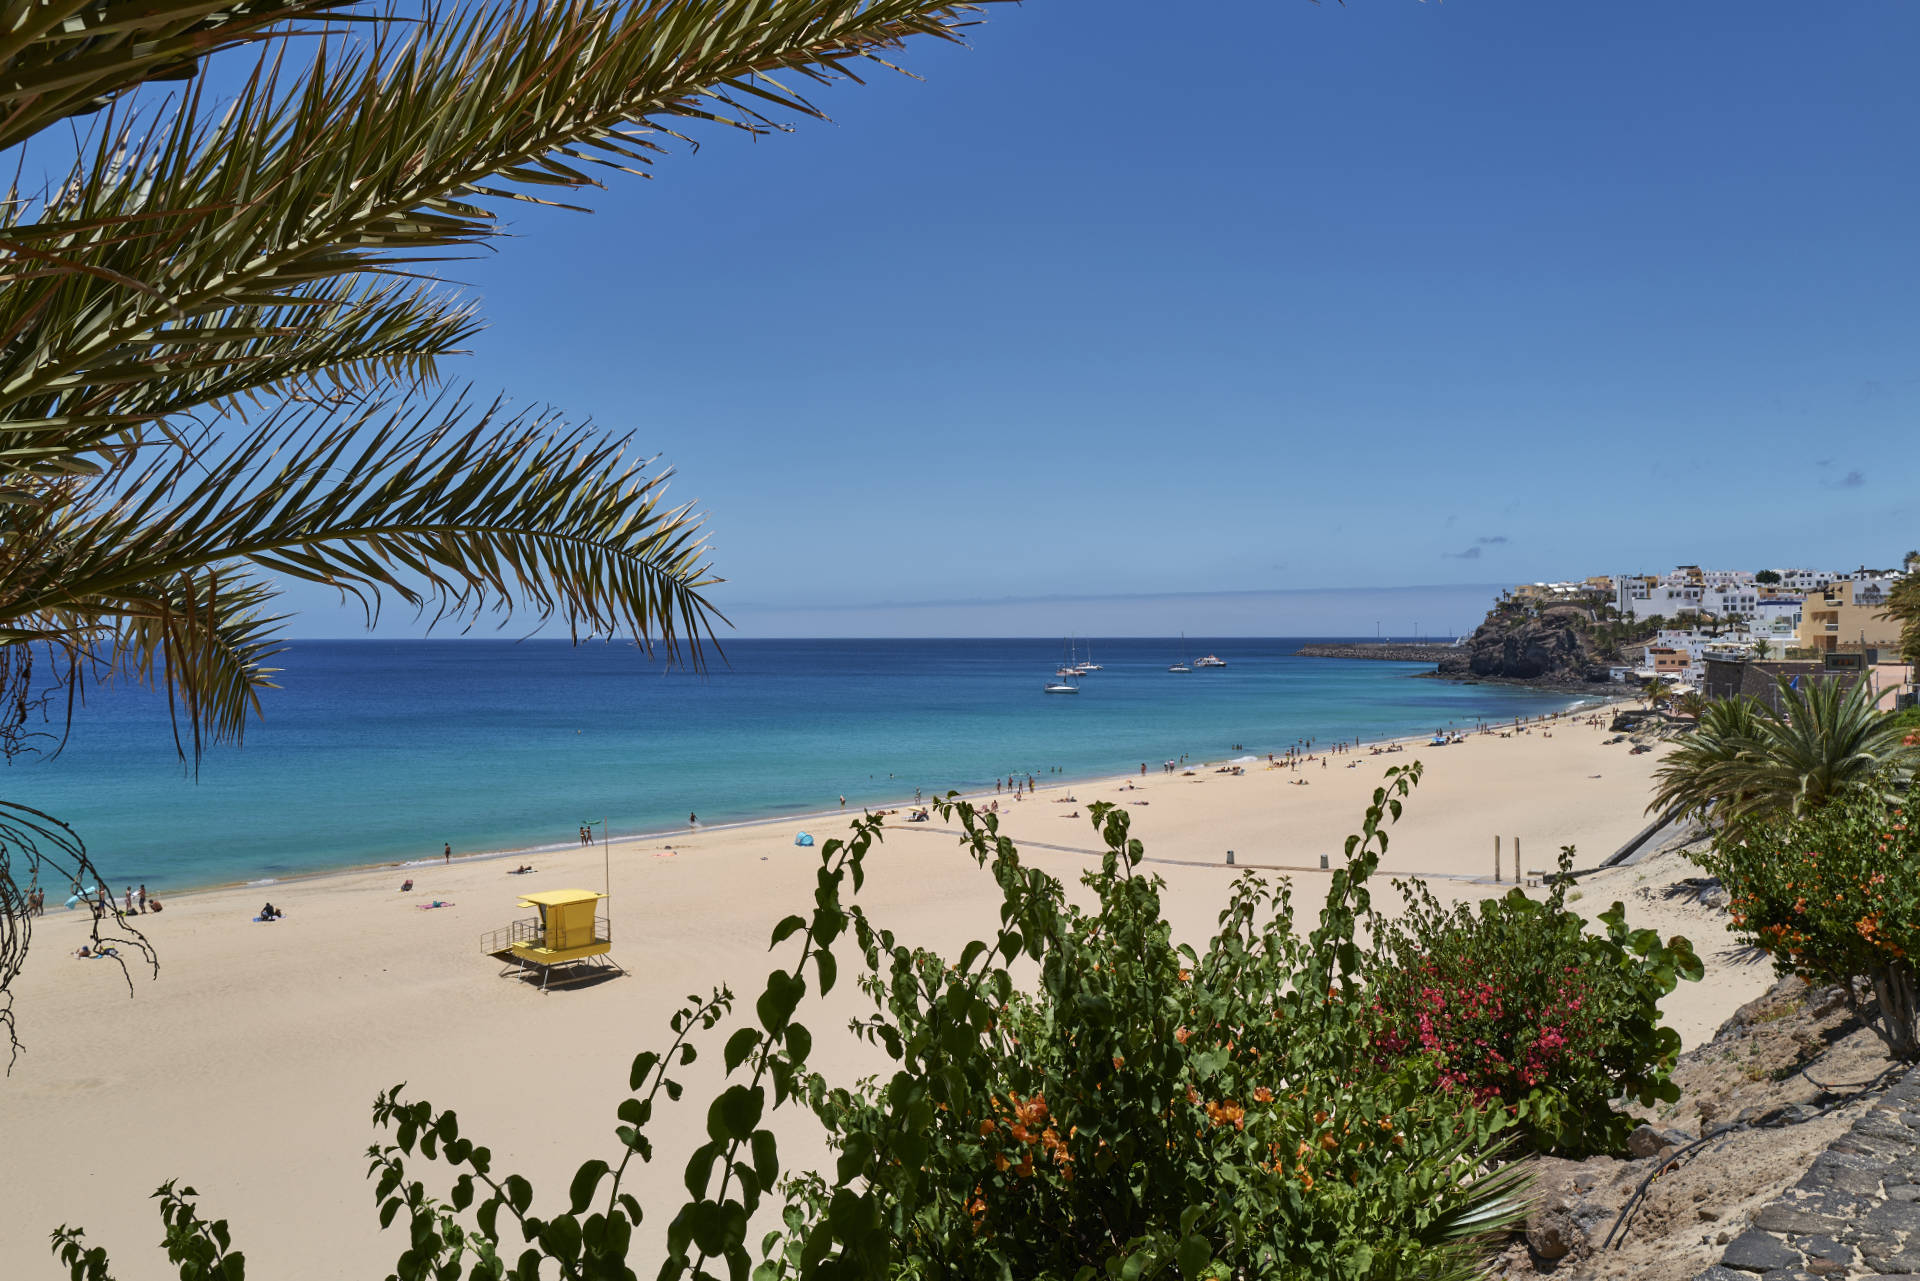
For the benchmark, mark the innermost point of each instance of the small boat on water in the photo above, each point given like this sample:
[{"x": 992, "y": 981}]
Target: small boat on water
[
  {"x": 1209, "y": 661},
  {"x": 1180, "y": 664},
  {"x": 1065, "y": 676}
]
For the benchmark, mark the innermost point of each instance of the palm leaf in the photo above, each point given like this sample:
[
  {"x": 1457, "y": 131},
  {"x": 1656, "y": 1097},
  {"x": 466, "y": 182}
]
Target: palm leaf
[
  {"x": 60, "y": 58},
  {"x": 182, "y": 240},
  {"x": 452, "y": 511}
]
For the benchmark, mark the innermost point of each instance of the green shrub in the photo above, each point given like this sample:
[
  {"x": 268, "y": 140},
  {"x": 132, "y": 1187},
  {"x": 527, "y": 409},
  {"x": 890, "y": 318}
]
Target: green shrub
[
  {"x": 1834, "y": 896},
  {"x": 1148, "y": 1106},
  {"x": 1528, "y": 1011}
]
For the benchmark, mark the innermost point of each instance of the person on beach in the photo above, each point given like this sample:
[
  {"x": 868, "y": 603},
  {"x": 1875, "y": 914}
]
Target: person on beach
[
  {"x": 129, "y": 901},
  {"x": 843, "y": 802},
  {"x": 447, "y": 849},
  {"x": 693, "y": 820},
  {"x": 141, "y": 898}
]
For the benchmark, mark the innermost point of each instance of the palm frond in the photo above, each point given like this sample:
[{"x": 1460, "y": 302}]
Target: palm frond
[
  {"x": 455, "y": 512},
  {"x": 61, "y": 58},
  {"x": 206, "y": 637},
  {"x": 178, "y": 241},
  {"x": 38, "y": 851}
]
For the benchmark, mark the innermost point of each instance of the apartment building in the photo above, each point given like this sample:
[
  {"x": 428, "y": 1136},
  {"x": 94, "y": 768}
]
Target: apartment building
[{"x": 1846, "y": 617}]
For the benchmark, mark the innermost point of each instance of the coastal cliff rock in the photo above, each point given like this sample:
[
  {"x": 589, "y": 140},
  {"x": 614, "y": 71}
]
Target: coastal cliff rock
[{"x": 1553, "y": 647}]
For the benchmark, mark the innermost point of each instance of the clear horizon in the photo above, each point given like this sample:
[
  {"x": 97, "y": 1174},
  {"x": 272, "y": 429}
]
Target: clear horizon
[{"x": 1407, "y": 294}]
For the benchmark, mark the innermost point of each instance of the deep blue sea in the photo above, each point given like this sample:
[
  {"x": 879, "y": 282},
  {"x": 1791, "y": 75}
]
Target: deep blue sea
[{"x": 379, "y": 750}]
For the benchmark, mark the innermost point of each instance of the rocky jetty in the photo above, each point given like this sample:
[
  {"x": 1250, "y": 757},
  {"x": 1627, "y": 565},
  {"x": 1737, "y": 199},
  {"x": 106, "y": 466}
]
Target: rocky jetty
[
  {"x": 1385, "y": 651},
  {"x": 1552, "y": 647}
]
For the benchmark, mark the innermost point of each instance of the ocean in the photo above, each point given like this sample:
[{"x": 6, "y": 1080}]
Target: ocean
[{"x": 379, "y": 751}]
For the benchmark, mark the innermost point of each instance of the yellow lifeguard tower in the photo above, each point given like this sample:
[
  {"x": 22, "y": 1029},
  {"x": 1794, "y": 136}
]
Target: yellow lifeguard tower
[{"x": 568, "y": 931}]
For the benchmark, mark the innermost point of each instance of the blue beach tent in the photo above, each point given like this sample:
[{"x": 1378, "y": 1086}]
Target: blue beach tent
[{"x": 803, "y": 838}]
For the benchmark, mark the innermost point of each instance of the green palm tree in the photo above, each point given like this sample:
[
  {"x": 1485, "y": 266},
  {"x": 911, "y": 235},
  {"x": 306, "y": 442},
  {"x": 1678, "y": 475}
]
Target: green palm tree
[
  {"x": 1761, "y": 649},
  {"x": 1903, "y": 607},
  {"x": 1654, "y": 692},
  {"x": 1692, "y": 704},
  {"x": 1705, "y": 772},
  {"x": 1825, "y": 740},
  {"x": 1748, "y": 761},
  {"x": 221, "y": 333}
]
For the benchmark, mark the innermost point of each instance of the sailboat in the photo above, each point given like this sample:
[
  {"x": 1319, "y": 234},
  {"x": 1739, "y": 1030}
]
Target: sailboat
[
  {"x": 1065, "y": 678},
  {"x": 1087, "y": 664},
  {"x": 1180, "y": 664}
]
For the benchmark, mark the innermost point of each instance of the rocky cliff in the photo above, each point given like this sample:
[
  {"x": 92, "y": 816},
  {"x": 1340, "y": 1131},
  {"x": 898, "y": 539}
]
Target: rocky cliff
[{"x": 1554, "y": 647}]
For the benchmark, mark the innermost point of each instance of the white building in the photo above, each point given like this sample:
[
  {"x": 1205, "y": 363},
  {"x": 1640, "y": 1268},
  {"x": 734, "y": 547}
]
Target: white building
[{"x": 1678, "y": 600}]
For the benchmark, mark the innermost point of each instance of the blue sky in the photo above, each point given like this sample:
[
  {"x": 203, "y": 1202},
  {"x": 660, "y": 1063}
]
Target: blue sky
[{"x": 1139, "y": 318}]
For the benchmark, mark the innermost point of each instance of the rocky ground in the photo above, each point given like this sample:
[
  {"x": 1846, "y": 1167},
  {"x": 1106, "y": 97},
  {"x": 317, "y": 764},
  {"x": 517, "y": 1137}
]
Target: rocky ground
[{"x": 1785, "y": 1076}]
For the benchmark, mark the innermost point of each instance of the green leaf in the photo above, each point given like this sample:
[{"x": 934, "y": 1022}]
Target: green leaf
[
  {"x": 735, "y": 1113},
  {"x": 585, "y": 1181},
  {"x": 739, "y": 1046},
  {"x": 1194, "y": 1256}
]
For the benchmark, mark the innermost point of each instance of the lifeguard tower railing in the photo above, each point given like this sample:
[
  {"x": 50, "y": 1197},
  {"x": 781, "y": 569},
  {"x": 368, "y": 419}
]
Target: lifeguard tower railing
[{"x": 529, "y": 930}]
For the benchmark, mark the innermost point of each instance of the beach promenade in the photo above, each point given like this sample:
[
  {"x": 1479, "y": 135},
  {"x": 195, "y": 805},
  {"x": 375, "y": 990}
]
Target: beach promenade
[{"x": 248, "y": 1068}]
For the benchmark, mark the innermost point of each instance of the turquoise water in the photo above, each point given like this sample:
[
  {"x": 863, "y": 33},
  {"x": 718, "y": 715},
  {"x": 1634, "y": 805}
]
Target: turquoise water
[{"x": 381, "y": 750}]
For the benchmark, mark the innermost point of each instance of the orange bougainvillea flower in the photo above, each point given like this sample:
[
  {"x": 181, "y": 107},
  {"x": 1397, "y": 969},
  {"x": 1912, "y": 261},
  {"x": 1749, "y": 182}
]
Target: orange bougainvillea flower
[
  {"x": 1000, "y": 1162},
  {"x": 1181, "y": 1035},
  {"x": 986, "y": 1129},
  {"x": 1193, "y": 1095},
  {"x": 1119, "y": 1061},
  {"x": 1186, "y": 976},
  {"x": 1261, "y": 1094},
  {"x": 1020, "y": 1133}
]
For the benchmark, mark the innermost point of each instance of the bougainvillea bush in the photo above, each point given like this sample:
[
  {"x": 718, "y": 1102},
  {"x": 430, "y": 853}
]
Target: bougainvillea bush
[
  {"x": 1075, "y": 1096},
  {"x": 1149, "y": 1108},
  {"x": 1834, "y": 896},
  {"x": 1525, "y": 1010}
]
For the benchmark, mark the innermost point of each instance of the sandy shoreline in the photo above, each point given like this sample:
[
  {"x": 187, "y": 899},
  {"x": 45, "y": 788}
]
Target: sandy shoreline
[
  {"x": 1583, "y": 704},
  {"x": 248, "y": 1067}
]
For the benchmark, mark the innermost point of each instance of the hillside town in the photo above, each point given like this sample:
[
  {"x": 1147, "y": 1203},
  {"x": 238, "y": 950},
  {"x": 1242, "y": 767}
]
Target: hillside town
[{"x": 1728, "y": 631}]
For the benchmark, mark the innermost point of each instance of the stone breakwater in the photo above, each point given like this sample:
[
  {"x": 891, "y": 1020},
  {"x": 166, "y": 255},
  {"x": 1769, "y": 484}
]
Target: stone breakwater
[
  {"x": 1386, "y": 651},
  {"x": 1856, "y": 1212}
]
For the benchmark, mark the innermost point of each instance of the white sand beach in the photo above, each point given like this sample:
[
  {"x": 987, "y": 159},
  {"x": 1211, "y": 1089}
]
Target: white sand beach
[{"x": 248, "y": 1067}]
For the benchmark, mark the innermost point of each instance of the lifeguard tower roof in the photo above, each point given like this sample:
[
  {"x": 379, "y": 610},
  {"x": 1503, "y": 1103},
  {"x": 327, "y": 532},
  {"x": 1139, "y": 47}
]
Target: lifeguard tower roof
[{"x": 559, "y": 898}]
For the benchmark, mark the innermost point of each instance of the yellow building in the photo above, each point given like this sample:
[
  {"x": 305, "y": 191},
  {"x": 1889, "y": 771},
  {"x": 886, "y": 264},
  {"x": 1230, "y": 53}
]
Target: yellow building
[{"x": 1832, "y": 621}]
